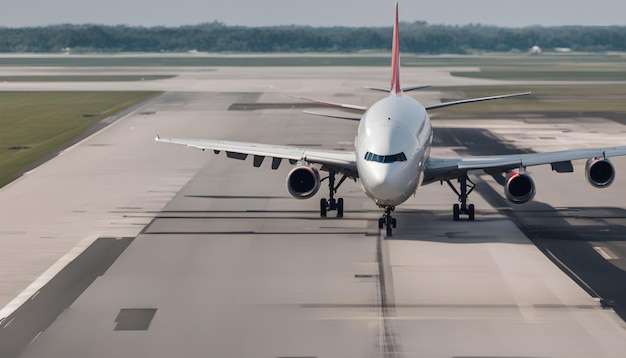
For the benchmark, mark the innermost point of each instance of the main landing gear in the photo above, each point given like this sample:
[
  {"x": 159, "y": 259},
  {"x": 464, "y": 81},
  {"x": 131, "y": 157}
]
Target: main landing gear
[
  {"x": 387, "y": 221},
  {"x": 463, "y": 209},
  {"x": 331, "y": 204}
]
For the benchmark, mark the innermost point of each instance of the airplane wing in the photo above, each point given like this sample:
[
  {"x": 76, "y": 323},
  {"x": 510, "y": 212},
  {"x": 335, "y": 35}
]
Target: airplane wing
[
  {"x": 337, "y": 160},
  {"x": 450, "y": 168}
]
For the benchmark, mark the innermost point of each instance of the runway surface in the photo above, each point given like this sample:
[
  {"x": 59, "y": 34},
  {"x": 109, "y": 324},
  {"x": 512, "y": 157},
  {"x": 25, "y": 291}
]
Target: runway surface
[{"x": 221, "y": 262}]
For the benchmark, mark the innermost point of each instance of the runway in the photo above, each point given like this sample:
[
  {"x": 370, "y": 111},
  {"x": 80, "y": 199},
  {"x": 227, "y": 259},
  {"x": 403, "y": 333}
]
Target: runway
[{"x": 220, "y": 261}]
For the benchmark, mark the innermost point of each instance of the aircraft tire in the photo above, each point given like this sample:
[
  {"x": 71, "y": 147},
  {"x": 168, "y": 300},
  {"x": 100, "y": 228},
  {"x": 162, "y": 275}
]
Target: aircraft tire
[
  {"x": 456, "y": 212},
  {"x": 340, "y": 208},
  {"x": 389, "y": 223},
  {"x": 323, "y": 207}
]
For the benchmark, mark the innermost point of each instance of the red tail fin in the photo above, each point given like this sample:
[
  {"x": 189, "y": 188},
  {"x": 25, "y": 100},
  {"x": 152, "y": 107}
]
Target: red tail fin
[{"x": 395, "y": 59}]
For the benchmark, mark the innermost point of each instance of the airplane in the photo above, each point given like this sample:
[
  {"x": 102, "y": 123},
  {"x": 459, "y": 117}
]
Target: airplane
[{"x": 392, "y": 156}]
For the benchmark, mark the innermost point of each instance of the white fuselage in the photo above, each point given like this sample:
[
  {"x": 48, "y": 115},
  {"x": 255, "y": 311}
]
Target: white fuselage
[{"x": 392, "y": 146}]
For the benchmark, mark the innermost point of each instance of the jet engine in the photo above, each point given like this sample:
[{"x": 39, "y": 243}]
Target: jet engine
[
  {"x": 600, "y": 172},
  {"x": 519, "y": 187},
  {"x": 303, "y": 181}
]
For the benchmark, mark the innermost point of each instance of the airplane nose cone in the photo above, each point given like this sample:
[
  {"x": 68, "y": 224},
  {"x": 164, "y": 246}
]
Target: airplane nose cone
[
  {"x": 379, "y": 178},
  {"x": 384, "y": 186}
]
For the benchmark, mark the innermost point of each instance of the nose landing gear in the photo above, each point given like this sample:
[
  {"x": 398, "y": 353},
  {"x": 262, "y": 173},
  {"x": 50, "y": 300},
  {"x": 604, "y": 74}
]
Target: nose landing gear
[{"x": 387, "y": 220}]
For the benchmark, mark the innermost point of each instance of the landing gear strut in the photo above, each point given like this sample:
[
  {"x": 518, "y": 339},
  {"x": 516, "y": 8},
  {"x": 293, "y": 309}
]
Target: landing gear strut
[
  {"x": 463, "y": 209},
  {"x": 331, "y": 204},
  {"x": 387, "y": 221}
]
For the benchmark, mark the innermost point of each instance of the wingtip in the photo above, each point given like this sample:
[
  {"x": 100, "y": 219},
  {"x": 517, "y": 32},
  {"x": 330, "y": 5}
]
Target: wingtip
[{"x": 157, "y": 138}]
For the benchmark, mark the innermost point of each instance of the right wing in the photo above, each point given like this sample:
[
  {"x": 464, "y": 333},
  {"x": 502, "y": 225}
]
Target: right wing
[
  {"x": 338, "y": 160},
  {"x": 451, "y": 168}
]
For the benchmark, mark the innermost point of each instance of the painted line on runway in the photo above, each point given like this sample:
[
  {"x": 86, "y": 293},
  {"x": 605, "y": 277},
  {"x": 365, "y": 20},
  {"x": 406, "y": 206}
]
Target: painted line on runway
[
  {"x": 35, "y": 287},
  {"x": 8, "y": 324},
  {"x": 606, "y": 253},
  {"x": 37, "y": 336},
  {"x": 35, "y": 295},
  {"x": 36, "y": 315},
  {"x": 573, "y": 275}
]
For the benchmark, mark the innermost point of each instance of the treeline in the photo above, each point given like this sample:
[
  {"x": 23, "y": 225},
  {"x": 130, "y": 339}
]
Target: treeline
[{"x": 417, "y": 37}]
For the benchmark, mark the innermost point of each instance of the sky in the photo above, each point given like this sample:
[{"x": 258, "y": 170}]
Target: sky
[{"x": 508, "y": 13}]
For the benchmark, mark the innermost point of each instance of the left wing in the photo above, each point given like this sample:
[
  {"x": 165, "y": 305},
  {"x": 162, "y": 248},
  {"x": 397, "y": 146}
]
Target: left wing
[
  {"x": 450, "y": 168},
  {"x": 338, "y": 160}
]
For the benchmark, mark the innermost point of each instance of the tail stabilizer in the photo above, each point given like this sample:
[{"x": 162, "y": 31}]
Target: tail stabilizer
[
  {"x": 396, "y": 89},
  {"x": 472, "y": 100},
  {"x": 405, "y": 89}
]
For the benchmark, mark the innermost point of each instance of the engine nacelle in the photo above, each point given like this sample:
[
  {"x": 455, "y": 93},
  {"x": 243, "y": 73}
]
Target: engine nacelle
[
  {"x": 303, "y": 181},
  {"x": 519, "y": 187},
  {"x": 600, "y": 172}
]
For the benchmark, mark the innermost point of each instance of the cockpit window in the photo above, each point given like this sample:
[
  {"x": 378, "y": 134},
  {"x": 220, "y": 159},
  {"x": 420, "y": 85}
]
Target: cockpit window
[{"x": 371, "y": 157}]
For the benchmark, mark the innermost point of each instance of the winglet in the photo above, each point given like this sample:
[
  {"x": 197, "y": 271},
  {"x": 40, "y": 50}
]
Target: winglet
[
  {"x": 157, "y": 138},
  {"x": 396, "y": 89}
]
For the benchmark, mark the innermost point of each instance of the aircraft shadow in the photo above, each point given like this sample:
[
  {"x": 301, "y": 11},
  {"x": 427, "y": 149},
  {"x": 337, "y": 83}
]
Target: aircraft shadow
[{"x": 569, "y": 237}]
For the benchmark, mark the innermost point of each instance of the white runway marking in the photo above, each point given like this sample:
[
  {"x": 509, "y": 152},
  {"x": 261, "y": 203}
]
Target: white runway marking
[
  {"x": 8, "y": 324},
  {"x": 606, "y": 253},
  {"x": 33, "y": 290},
  {"x": 37, "y": 336}
]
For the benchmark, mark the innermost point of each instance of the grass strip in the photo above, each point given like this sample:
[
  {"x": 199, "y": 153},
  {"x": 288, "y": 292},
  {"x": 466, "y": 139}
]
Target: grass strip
[
  {"x": 35, "y": 125},
  {"x": 547, "y": 75},
  {"x": 79, "y": 78},
  {"x": 548, "y": 100}
]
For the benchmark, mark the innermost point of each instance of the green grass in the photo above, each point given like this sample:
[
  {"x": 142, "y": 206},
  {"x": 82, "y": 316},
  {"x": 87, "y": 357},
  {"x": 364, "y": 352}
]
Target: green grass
[
  {"x": 34, "y": 125},
  {"x": 200, "y": 61},
  {"x": 550, "y": 68},
  {"x": 335, "y": 59},
  {"x": 554, "y": 74},
  {"x": 104, "y": 78},
  {"x": 548, "y": 100}
]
